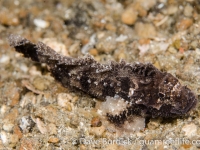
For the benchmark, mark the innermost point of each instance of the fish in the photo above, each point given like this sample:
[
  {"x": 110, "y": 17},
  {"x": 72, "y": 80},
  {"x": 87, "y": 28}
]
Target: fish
[{"x": 145, "y": 90}]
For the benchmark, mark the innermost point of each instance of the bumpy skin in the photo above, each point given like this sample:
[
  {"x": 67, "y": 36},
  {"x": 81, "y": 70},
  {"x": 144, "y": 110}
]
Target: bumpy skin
[{"x": 148, "y": 91}]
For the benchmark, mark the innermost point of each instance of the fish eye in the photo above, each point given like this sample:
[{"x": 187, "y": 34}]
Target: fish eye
[{"x": 161, "y": 95}]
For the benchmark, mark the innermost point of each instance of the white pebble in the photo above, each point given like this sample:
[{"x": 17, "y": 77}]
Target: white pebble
[
  {"x": 98, "y": 131},
  {"x": 121, "y": 38},
  {"x": 41, "y": 23},
  {"x": 26, "y": 123},
  {"x": 4, "y": 59},
  {"x": 64, "y": 99},
  {"x": 3, "y": 109},
  {"x": 4, "y": 137},
  {"x": 190, "y": 129},
  {"x": 24, "y": 68},
  {"x": 41, "y": 126},
  {"x": 56, "y": 45},
  {"x": 8, "y": 127}
]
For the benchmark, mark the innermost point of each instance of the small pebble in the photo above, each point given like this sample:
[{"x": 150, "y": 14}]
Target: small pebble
[
  {"x": 26, "y": 124},
  {"x": 172, "y": 50},
  {"x": 96, "y": 122},
  {"x": 41, "y": 23},
  {"x": 111, "y": 27},
  {"x": 97, "y": 131},
  {"x": 4, "y": 109},
  {"x": 11, "y": 116},
  {"x": 31, "y": 87},
  {"x": 17, "y": 131},
  {"x": 147, "y": 4},
  {"x": 106, "y": 42},
  {"x": 74, "y": 121},
  {"x": 63, "y": 98},
  {"x": 11, "y": 93},
  {"x": 172, "y": 9},
  {"x": 51, "y": 113},
  {"x": 74, "y": 48},
  {"x": 113, "y": 147},
  {"x": 90, "y": 44},
  {"x": 8, "y": 127},
  {"x": 188, "y": 10},
  {"x": 4, "y": 137},
  {"x": 28, "y": 144},
  {"x": 190, "y": 130},
  {"x": 52, "y": 129},
  {"x": 57, "y": 46},
  {"x": 34, "y": 72},
  {"x": 184, "y": 24},
  {"x": 28, "y": 99},
  {"x": 4, "y": 59},
  {"x": 53, "y": 140},
  {"x": 177, "y": 43},
  {"x": 121, "y": 38},
  {"x": 64, "y": 101},
  {"x": 143, "y": 49},
  {"x": 153, "y": 124},
  {"x": 41, "y": 126},
  {"x": 93, "y": 52},
  {"x": 9, "y": 19},
  {"x": 13, "y": 139},
  {"x": 82, "y": 147},
  {"x": 186, "y": 146},
  {"x": 142, "y": 12},
  {"x": 157, "y": 65},
  {"x": 145, "y": 30},
  {"x": 129, "y": 16},
  {"x": 194, "y": 44},
  {"x": 41, "y": 83}
]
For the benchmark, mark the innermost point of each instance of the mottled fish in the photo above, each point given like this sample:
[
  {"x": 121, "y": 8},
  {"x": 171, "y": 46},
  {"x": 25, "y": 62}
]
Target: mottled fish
[{"x": 146, "y": 90}]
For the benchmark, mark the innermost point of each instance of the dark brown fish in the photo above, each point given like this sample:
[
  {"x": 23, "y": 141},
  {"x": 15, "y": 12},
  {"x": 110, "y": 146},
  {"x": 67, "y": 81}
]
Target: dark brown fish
[{"x": 146, "y": 90}]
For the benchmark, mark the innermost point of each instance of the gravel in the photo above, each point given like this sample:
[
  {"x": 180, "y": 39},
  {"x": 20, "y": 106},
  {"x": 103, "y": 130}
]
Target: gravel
[{"x": 36, "y": 112}]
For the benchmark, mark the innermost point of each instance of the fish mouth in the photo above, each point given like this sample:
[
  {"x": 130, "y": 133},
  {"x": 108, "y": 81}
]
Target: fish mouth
[{"x": 191, "y": 103}]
